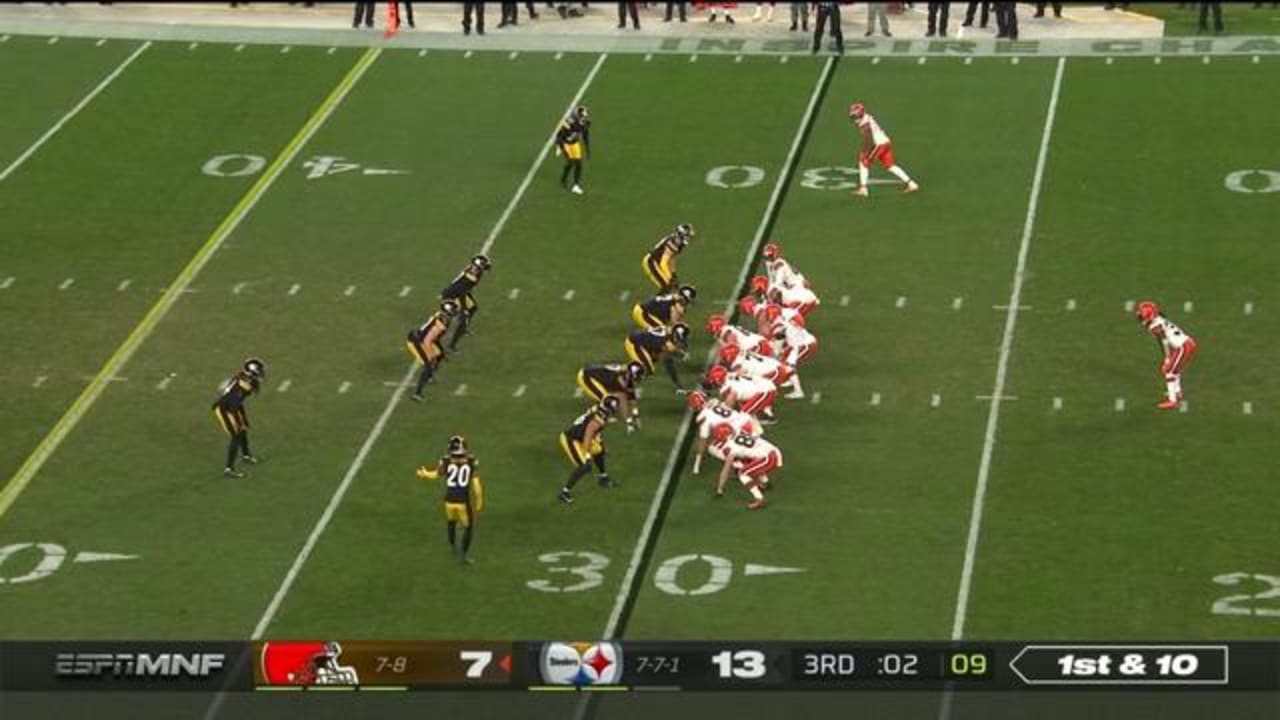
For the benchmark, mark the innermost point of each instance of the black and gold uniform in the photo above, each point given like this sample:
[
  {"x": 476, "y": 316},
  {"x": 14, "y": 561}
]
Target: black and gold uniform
[
  {"x": 664, "y": 310},
  {"x": 617, "y": 380},
  {"x": 461, "y": 291},
  {"x": 229, "y": 411},
  {"x": 659, "y": 263},
  {"x": 424, "y": 343},
  {"x": 583, "y": 443},
  {"x": 647, "y": 347},
  {"x": 573, "y": 143},
  {"x": 463, "y": 492}
]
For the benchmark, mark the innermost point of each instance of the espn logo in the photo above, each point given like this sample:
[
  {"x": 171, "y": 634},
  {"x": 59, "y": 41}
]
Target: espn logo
[{"x": 144, "y": 665}]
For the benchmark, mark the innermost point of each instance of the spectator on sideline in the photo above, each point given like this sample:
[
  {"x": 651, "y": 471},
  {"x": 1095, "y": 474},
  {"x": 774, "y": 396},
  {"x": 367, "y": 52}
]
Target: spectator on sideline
[
  {"x": 468, "y": 9},
  {"x": 760, "y": 12},
  {"x": 1217, "y": 16},
  {"x": 623, "y": 7},
  {"x": 728, "y": 11},
  {"x": 408, "y": 12},
  {"x": 973, "y": 6},
  {"x": 828, "y": 12},
  {"x": 511, "y": 13},
  {"x": 1007, "y": 20},
  {"x": 1057, "y": 9},
  {"x": 876, "y": 10},
  {"x": 364, "y": 13},
  {"x": 680, "y": 4},
  {"x": 800, "y": 13},
  {"x": 938, "y": 28}
]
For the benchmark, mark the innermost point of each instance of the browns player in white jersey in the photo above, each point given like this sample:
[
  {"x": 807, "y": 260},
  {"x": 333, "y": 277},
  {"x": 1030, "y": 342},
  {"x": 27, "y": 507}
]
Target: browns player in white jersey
[
  {"x": 727, "y": 334},
  {"x": 1178, "y": 348},
  {"x": 745, "y": 362},
  {"x": 754, "y": 396},
  {"x": 876, "y": 147},
  {"x": 798, "y": 345},
  {"x": 779, "y": 271},
  {"x": 753, "y": 458},
  {"x": 712, "y": 412}
]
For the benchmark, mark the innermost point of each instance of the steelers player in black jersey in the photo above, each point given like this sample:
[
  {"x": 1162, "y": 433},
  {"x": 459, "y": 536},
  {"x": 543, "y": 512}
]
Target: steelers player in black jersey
[
  {"x": 602, "y": 380},
  {"x": 660, "y": 262},
  {"x": 573, "y": 143},
  {"x": 229, "y": 411},
  {"x": 583, "y": 443},
  {"x": 425, "y": 343},
  {"x": 647, "y": 347},
  {"x": 460, "y": 291},
  {"x": 463, "y": 493},
  {"x": 664, "y": 310}
]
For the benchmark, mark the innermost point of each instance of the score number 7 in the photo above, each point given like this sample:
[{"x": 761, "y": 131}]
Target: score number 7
[{"x": 478, "y": 659}]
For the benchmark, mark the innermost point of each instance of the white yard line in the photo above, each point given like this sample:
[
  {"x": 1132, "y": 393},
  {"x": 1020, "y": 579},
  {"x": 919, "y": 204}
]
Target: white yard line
[
  {"x": 624, "y": 590},
  {"x": 73, "y": 111},
  {"x": 380, "y": 425},
  {"x": 147, "y": 325},
  {"x": 1002, "y": 366}
]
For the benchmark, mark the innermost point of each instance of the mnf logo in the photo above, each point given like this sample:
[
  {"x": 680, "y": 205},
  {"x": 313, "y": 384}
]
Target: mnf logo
[{"x": 138, "y": 665}]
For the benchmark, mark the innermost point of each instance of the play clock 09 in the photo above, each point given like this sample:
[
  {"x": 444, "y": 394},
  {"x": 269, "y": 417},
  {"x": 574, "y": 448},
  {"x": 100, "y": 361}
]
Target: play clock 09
[{"x": 967, "y": 665}]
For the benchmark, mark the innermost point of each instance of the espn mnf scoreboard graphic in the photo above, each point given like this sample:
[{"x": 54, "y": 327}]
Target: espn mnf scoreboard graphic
[{"x": 585, "y": 666}]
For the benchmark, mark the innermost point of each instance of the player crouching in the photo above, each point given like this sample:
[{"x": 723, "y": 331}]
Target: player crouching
[
  {"x": 727, "y": 334},
  {"x": 615, "y": 380},
  {"x": 664, "y": 310},
  {"x": 751, "y": 457},
  {"x": 711, "y": 412},
  {"x": 754, "y": 396},
  {"x": 583, "y": 443},
  {"x": 1178, "y": 348}
]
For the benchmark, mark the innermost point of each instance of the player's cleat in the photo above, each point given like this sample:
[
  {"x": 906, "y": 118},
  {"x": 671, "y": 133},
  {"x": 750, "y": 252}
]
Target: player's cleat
[
  {"x": 565, "y": 496},
  {"x": 232, "y": 473},
  {"x": 794, "y": 395},
  {"x": 912, "y": 186},
  {"x": 719, "y": 494},
  {"x": 1169, "y": 404},
  {"x": 607, "y": 482},
  {"x": 466, "y": 560},
  {"x": 250, "y": 459},
  {"x": 861, "y": 191},
  {"x": 576, "y": 189},
  {"x": 757, "y": 504},
  {"x": 417, "y": 397}
]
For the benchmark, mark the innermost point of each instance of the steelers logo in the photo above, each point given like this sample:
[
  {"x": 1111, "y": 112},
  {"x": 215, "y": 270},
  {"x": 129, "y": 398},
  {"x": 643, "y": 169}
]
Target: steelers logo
[{"x": 581, "y": 663}]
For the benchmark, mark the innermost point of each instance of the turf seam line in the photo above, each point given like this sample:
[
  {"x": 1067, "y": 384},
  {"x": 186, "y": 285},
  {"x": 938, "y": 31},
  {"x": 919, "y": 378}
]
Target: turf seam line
[
  {"x": 1002, "y": 365},
  {"x": 666, "y": 489},
  {"x": 75, "y": 110},
  {"x": 147, "y": 325}
]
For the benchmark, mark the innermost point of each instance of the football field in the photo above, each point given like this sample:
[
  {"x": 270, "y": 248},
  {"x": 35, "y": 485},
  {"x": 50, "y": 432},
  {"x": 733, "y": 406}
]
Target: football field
[{"x": 978, "y": 454}]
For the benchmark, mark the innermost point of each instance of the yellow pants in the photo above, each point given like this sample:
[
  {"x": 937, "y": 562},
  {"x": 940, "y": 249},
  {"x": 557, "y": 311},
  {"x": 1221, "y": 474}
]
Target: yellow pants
[
  {"x": 573, "y": 151},
  {"x": 459, "y": 513},
  {"x": 578, "y": 453},
  {"x": 660, "y": 272}
]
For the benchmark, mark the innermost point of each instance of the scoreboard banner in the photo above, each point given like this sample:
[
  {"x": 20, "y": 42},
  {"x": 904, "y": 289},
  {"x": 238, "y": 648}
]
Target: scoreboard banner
[{"x": 562, "y": 665}]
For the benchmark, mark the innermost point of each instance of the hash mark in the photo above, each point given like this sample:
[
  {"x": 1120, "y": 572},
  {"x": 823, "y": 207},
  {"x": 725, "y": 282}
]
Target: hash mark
[
  {"x": 285, "y": 49},
  {"x": 1119, "y": 404},
  {"x": 351, "y": 290},
  {"x": 238, "y": 288},
  {"x": 784, "y": 59},
  {"x": 124, "y": 285},
  {"x": 922, "y": 60},
  {"x": 293, "y": 290},
  {"x": 1015, "y": 60},
  {"x": 968, "y": 61},
  {"x": 345, "y": 386},
  {"x": 559, "y": 55},
  {"x": 1205, "y": 59},
  {"x": 1248, "y": 308},
  {"x": 1110, "y": 61},
  {"x": 7, "y": 282},
  {"x": 935, "y": 401},
  {"x": 404, "y": 291},
  {"x": 519, "y": 391},
  {"x": 1188, "y": 306},
  {"x": 164, "y": 382},
  {"x": 902, "y": 301},
  {"x": 817, "y": 398},
  {"x": 647, "y": 57},
  {"x": 624, "y": 296},
  {"x": 461, "y": 390},
  {"x": 1184, "y": 406},
  {"x": 577, "y": 392},
  {"x": 1057, "y": 403},
  {"x": 1071, "y": 304},
  {"x": 1256, "y": 59},
  {"x": 875, "y": 398},
  {"x": 466, "y": 54},
  {"x": 39, "y": 381},
  {"x": 1158, "y": 60},
  {"x": 53, "y": 40},
  {"x": 1247, "y": 408},
  {"x": 67, "y": 283},
  {"x": 844, "y": 301},
  {"x": 515, "y": 293},
  {"x": 101, "y": 42},
  {"x": 568, "y": 294},
  {"x": 193, "y": 46},
  {"x": 693, "y": 58},
  {"x": 957, "y": 303},
  {"x": 285, "y": 385},
  {"x": 1128, "y": 306},
  {"x": 875, "y": 61},
  {"x": 240, "y": 47}
]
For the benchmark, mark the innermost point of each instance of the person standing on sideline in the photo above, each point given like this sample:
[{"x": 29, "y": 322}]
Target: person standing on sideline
[
  {"x": 681, "y": 5},
  {"x": 726, "y": 7},
  {"x": 623, "y": 7},
  {"x": 510, "y": 14},
  {"x": 800, "y": 14},
  {"x": 364, "y": 14},
  {"x": 1007, "y": 20},
  {"x": 408, "y": 12},
  {"x": 467, "y": 9},
  {"x": 763, "y": 12},
  {"x": 876, "y": 10},
  {"x": 973, "y": 7},
  {"x": 1057, "y": 9},
  {"x": 828, "y": 12},
  {"x": 1217, "y": 17},
  {"x": 936, "y": 9}
]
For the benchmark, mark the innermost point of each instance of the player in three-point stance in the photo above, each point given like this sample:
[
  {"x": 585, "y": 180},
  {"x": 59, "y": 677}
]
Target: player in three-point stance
[
  {"x": 664, "y": 310},
  {"x": 463, "y": 493},
  {"x": 876, "y": 147},
  {"x": 711, "y": 412},
  {"x": 649, "y": 347},
  {"x": 229, "y": 411},
  {"x": 752, "y": 458},
  {"x": 751, "y": 395},
  {"x": 1177, "y": 346},
  {"x": 583, "y": 444},
  {"x": 602, "y": 380}
]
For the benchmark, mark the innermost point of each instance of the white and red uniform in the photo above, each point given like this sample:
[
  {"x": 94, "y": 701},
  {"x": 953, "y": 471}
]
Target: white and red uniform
[
  {"x": 798, "y": 344},
  {"x": 1179, "y": 348},
  {"x": 881, "y": 151},
  {"x": 781, "y": 273},
  {"x": 798, "y": 298},
  {"x": 753, "y": 457},
  {"x": 744, "y": 339},
  {"x": 717, "y": 413},
  {"x": 751, "y": 395},
  {"x": 759, "y": 366}
]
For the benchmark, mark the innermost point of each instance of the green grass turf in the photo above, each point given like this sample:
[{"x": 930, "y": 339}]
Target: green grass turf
[
  {"x": 1238, "y": 18},
  {"x": 118, "y": 194},
  {"x": 1115, "y": 524},
  {"x": 1089, "y": 530}
]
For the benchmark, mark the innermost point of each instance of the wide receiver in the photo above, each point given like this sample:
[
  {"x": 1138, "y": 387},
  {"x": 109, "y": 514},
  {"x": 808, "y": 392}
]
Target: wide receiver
[
  {"x": 876, "y": 147},
  {"x": 1178, "y": 348}
]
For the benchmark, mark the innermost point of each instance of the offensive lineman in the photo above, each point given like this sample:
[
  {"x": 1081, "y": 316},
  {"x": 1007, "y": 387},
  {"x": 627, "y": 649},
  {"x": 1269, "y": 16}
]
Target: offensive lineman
[
  {"x": 1177, "y": 346},
  {"x": 463, "y": 493},
  {"x": 876, "y": 147},
  {"x": 753, "y": 458},
  {"x": 711, "y": 412}
]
